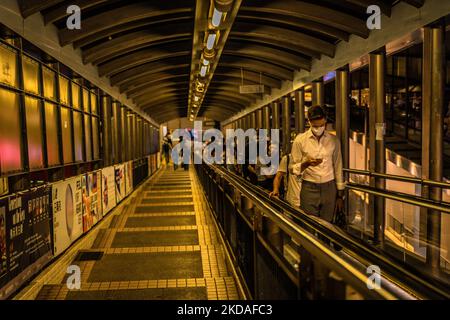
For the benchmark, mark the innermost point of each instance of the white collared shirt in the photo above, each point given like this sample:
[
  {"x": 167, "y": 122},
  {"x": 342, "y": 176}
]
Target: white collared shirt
[{"x": 306, "y": 146}]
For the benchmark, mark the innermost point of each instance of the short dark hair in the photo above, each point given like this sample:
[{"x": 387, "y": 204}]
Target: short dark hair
[{"x": 316, "y": 112}]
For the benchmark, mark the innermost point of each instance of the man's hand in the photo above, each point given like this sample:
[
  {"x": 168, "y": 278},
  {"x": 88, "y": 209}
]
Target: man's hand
[
  {"x": 274, "y": 194},
  {"x": 311, "y": 162}
]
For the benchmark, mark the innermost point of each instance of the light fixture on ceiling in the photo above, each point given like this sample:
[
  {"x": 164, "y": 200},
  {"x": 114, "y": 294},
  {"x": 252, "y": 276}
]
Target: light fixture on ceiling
[
  {"x": 216, "y": 18},
  {"x": 203, "y": 70},
  {"x": 211, "y": 40},
  {"x": 205, "y": 62},
  {"x": 196, "y": 98}
]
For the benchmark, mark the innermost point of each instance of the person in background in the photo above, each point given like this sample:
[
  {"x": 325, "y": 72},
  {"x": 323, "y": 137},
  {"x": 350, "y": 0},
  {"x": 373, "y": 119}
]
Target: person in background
[
  {"x": 167, "y": 147},
  {"x": 291, "y": 183},
  {"x": 263, "y": 180}
]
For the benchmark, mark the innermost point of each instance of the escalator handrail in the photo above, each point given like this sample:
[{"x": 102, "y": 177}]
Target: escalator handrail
[
  {"x": 433, "y": 183},
  {"x": 402, "y": 197},
  {"x": 351, "y": 274},
  {"x": 367, "y": 253}
]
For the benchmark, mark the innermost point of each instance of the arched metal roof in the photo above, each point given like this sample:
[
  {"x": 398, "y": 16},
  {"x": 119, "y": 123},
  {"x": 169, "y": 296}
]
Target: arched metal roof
[{"x": 148, "y": 48}]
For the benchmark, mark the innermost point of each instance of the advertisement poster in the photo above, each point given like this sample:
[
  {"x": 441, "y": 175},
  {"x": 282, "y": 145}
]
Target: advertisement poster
[
  {"x": 128, "y": 177},
  {"x": 92, "y": 206},
  {"x": 3, "y": 253},
  {"x": 108, "y": 189},
  {"x": 28, "y": 228},
  {"x": 119, "y": 176},
  {"x": 67, "y": 213}
]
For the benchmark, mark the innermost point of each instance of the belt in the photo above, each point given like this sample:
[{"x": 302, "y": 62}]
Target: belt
[{"x": 318, "y": 184}]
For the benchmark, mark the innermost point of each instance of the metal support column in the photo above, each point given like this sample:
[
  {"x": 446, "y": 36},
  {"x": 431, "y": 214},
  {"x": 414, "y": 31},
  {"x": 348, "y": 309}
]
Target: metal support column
[
  {"x": 259, "y": 119},
  {"x": 275, "y": 115},
  {"x": 107, "y": 135},
  {"x": 432, "y": 130},
  {"x": 343, "y": 112},
  {"x": 376, "y": 138},
  {"x": 300, "y": 111},
  {"x": 253, "y": 120},
  {"x": 286, "y": 105},
  {"x": 266, "y": 117},
  {"x": 317, "y": 92}
]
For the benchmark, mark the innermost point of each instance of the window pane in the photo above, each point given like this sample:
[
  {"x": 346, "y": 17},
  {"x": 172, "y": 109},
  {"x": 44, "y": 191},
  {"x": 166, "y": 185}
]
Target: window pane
[
  {"x": 34, "y": 132},
  {"x": 8, "y": 65},
  {"x": 66, "y": 125},
  {"x": 94, "y": 108},
  {"x": 49, "y": 83},
  {"x": 87, "y": 137},
  {"x": 86, "y": 107},
  {"x": 76, "y": 89},
  {"x": 64, "y": 90},
  {"x": 10, "y": 140},
  {"x": 51, "y": 125},
  {"x": 95, "y": 138},
  {"x": 78, "y": 135},
  {"x": 30, "y": 75}
]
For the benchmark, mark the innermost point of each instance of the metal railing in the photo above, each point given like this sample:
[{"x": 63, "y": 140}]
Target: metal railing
[
  {"x": 431, "y": 183},
  {"x": 258, "y": 230}
]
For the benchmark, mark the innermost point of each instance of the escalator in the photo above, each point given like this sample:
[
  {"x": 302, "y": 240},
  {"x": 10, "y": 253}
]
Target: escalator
[{"x": 282, "y": 253}]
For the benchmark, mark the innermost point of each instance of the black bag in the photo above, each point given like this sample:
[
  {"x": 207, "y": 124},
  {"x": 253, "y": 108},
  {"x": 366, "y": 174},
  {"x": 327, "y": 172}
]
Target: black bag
[{"x": 339, "y": 218}]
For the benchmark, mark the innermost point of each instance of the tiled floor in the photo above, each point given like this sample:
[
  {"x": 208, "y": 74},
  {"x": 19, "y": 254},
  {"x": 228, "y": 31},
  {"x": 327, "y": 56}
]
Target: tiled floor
[{"x": 163, "y": 245}]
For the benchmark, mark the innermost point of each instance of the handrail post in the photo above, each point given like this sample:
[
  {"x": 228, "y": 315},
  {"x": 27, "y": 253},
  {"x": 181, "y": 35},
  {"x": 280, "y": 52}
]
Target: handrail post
[
  {"x": 432, "y": 127},
  {"x": 376, "y": 138}
]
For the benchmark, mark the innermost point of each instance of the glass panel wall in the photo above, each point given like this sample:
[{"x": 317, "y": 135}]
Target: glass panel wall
[{"x": 34, "y": 132}]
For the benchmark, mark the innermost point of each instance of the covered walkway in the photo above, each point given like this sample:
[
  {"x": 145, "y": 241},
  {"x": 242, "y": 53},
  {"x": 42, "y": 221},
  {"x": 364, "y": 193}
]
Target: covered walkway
[{"x": 162, "y": 245}]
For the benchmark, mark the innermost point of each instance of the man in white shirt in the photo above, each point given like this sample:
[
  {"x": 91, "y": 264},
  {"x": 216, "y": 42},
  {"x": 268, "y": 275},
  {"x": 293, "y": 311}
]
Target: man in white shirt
[
  {"x": 318, "y": 161},
  {"x": 293, "y": 186}
]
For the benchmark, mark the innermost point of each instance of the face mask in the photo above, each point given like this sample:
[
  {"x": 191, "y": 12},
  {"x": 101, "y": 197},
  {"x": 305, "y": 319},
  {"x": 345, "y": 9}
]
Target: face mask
[{"x": 318, "y": 131}]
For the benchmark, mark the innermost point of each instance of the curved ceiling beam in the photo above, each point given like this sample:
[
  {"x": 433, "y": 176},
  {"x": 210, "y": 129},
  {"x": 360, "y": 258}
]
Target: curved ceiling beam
[
  {"x": 179, "y": 102},
  {"x": 216, "y": 92},
  {"x": 385, "y": 8},
  {"x": 139, "y": 72},
  {"x": 248, "y": 75},
  {"x": 296, "y": 23},
  {"x": 278, "y": 45},
  {"x": 268, "y": 54},
  {"x": 232, "y": 94},
  {"x": 177, "y": 109},
  {"x": 310, "y": 11},
  {"x": 30, "y": 7},
  {"x": 415, "y": 3},
  {"x": 60, "y": 12},
  {"x": 131, "y": 42},
  {"x": 257, "y": 66},
  {"x": 163, "y": 98},
  {"x": 219, "y": 92},
  {"x": 117, "y": 16},
  {"x": 143, "y": 56},
  {"x": 112, "y": 32},
  {"x": 155, "y": 88},
  {"x": 174, "y": 96},
  {"x": 234, "y": 79},
  {"x": 288, "y": 37},
  {"x": 152, "y": 80},
  {"x": 232, "y": 87}
]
